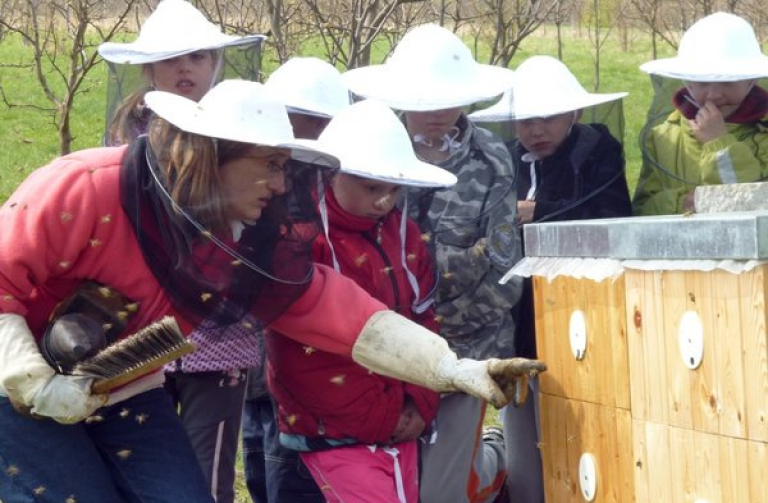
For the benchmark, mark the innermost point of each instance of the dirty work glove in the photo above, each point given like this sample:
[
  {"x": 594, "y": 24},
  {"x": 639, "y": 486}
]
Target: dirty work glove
[
  {"x": 67, "y": 399},
  {"x": 496, "y": 381},
  {"x": 32, "y": 386},
  {"x": 394, "y": 346}
]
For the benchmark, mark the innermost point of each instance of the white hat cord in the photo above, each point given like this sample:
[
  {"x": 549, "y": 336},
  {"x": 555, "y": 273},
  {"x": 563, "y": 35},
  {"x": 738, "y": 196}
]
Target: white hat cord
[
  {"x": 450, "y": 143},
  {"x": 323, "y": 209},
  {"x": 531, "y": 159}
]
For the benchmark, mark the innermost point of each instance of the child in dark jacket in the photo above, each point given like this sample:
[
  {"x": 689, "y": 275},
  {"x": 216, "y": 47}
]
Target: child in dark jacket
[
  {"x": 357, "y": 430},
  {"x": 566, "y": 171}
]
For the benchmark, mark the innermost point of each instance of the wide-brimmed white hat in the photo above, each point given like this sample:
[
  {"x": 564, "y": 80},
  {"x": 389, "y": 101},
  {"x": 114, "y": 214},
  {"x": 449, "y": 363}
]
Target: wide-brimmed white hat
[
  {"x": 543, "y": 87},
  {"x": 309, "y": 86},
  {"x": 371, "y": 142},
  {"x": 238, "y": 110},
  {"x": 721, "y": 47},
  {"x": 173, "y": 29},
  {"x": 430, "y": 69}
]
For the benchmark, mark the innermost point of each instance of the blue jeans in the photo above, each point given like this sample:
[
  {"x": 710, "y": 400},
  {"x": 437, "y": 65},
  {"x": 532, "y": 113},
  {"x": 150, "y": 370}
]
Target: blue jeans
[
  {"x": 273, "y": 473},
  {"x": 137, "y": 452}
]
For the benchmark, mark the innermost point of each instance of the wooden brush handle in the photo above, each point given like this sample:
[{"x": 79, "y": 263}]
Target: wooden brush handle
[{"x": 106, "y": 385}]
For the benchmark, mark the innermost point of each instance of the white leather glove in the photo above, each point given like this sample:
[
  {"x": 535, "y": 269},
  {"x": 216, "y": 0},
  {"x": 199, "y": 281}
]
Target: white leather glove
[
  {"x": 32, "y": 385},
  {"x": 394, "y": 346},
  {"x": 67, "y": 399}
]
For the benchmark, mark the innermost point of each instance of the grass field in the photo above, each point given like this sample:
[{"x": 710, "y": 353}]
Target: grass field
[{"x": 28, "y": 136}]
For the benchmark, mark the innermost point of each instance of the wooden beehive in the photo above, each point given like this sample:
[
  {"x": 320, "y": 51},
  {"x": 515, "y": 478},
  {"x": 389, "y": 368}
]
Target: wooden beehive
[{"x": 657, "y": 389}]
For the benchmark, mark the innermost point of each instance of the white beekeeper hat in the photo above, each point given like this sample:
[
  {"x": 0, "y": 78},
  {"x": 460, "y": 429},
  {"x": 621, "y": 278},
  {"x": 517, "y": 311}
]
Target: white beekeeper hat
[
  {"x": 309, "y": 86},
  {"x": 720, "y": 47},
  {"x": 543, "y": 87},
  {"x": 371, "y": 142},
  {"x": 173, "y": 29},
  {"x": 238, "y": 110},
  {"x": 430, "y": 69}
]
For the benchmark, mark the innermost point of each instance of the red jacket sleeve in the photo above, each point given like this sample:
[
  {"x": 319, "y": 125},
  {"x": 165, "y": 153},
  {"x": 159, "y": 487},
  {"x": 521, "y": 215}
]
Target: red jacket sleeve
[{"x": 330, "y": 315}]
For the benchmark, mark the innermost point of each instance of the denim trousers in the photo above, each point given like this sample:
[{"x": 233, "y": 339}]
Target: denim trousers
[
  {"x": 273, "y": 473},
  {"x": 134, "y": 451}
]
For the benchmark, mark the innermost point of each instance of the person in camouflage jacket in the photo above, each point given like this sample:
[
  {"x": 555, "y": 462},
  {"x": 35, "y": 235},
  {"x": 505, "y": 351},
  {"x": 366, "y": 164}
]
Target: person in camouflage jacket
[
  {"x": 431, "y": 76},
  {"x": 472, "y": 229},
  {"x": 475, "y": 239}
]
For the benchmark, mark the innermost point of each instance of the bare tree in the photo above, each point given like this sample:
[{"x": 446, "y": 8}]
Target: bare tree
[
  {"x": 456, "y": 15},
  {"x": 562, "y": 11},
  {"x": 601, "y": 20},
  {"x": 508, "y": 22},
  {"x": 5, "y": 13},
  {"x": 757, "y": 12},
  {"x": 63, "y": 35},
  {"x": 348, "y": 28},
  {"x": 660, "y": 21}
]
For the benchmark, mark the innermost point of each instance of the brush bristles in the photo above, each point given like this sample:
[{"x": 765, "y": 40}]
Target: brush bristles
[{"x": 150, "y": 348}]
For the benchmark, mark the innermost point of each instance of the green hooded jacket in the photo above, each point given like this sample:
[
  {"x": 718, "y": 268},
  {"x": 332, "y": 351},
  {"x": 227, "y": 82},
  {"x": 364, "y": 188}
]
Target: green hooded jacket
[{"x": 740, "y": 156}]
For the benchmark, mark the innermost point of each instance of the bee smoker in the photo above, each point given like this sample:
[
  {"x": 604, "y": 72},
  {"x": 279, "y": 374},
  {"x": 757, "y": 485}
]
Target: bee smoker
[{"x": 84, "y": 324}]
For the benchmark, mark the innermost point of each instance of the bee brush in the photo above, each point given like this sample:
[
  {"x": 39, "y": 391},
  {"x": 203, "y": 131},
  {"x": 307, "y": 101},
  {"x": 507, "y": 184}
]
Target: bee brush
[{"x": 126, "y": 359}]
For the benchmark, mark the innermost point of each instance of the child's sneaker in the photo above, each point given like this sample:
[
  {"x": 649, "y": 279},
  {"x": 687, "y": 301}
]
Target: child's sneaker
[{"x": 493, "y": 434}]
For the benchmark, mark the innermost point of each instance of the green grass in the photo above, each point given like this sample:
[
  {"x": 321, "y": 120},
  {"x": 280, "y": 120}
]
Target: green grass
[{"x": 29, "y": 137}]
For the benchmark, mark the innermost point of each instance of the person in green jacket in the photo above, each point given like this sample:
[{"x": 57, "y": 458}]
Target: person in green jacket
[{"x": 718, "y": 132}]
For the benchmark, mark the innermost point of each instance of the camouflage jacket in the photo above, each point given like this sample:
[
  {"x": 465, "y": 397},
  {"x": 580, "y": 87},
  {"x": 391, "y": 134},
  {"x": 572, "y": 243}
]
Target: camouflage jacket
[{"x": 474, "y": 234}]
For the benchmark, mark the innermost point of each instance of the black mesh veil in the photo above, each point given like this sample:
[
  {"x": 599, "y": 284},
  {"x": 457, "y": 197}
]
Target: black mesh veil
[
  {"x": 609, "y": 114},
  {"x": 209, "y": 275}
]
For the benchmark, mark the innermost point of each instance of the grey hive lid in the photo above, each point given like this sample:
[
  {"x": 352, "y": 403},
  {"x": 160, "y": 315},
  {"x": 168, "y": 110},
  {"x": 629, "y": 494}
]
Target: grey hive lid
[{"x": 735, "y": 236}]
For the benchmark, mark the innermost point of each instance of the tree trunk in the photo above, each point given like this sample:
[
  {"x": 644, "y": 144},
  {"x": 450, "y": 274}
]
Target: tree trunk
[{"x": 65, "y": 132}]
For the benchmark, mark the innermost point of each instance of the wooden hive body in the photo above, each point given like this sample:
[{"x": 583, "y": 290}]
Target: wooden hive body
[{"x": 661, "y": 422}]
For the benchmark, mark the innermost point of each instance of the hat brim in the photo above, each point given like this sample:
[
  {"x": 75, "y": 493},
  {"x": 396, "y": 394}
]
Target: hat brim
[
  {"x": 136, "y": 53},
  {"x": 404, "y": 92},
  {"x": 298, "y": 109},
  {"x": 712, "y": 71},
  {"x": 539, "y": 108},
  {"x": 416, "y": 174},
  {"x": 188, "y": 116}
]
